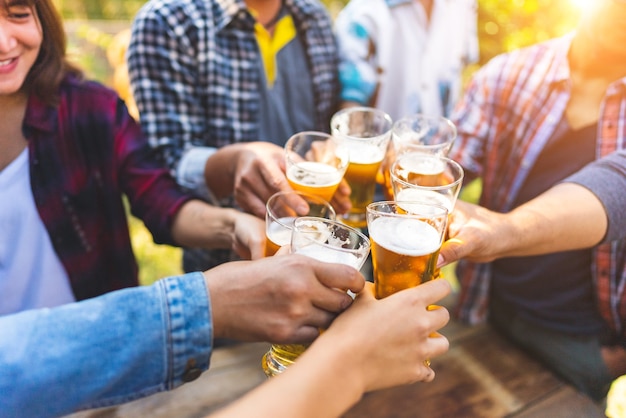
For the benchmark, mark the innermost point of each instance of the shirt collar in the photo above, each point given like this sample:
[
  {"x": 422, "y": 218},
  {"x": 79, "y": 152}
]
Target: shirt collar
[
  {"x": 561, "y": 70},
  {"x": 231, "y": 10},
  {"x": 39, "y": 116}
]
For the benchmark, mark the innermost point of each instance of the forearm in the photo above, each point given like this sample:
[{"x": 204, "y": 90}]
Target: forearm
[
  {"x": 200, "y": 225},
  {"x": 105, "y": 350},
  {"x": 566, "y": 217},
  {"x": 320, "y": 384}
]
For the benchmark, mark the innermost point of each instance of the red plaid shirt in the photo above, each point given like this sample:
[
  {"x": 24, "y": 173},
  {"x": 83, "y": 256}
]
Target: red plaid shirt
[
  {"x": 84, "y": 155},
  {"x": 510, "y": 110}
]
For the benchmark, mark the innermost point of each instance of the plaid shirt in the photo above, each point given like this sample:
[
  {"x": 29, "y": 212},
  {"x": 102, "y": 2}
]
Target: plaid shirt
[
  {"x": 510, "y": 110},
  {"x": 194, "y": 70},
  {"x": 83, "y": 156}
]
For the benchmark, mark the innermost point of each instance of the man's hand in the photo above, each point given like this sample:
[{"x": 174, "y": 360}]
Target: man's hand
[
  {"x": 475, "y": 233},
  {"x": 279, "y": 299}
]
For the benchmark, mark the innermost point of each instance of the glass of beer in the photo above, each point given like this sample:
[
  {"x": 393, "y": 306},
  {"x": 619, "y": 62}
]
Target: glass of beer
[
  {"x": 431, "y": 135},
  {"x": 315, "y": 163},
  {"x": 280, "y": 216},
  {"x": 366, "y": 132},
  {"x": 406, "y": 238},
  {"x": 325, "y": 240},
  {"x": 421, "y": 177}
]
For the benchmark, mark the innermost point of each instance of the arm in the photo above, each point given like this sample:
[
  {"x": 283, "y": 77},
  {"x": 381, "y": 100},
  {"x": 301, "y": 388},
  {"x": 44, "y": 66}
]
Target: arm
[
  {"x": 254, "y": 171},
  {"x": 135, "y": 342},
  {"x": 566, "y": 217},
  {"x": 587, "y": 208},
  {"x": 198, "y": 224},
  {"x": 103, "y": 351},
  {"x": 283, "y": 298},
  {"x": 353, "y": 357}
]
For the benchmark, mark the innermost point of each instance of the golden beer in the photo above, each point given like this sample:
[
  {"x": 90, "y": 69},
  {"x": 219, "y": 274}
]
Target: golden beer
[
  {"x": 324, "y": 240},
  {"x": 421, "y": 134},
  {"x": 280, "y": 216},
  {"x": 404, "y": 253},
  {"x": 361, "y": 177},
  {"x": 318, "y": 179},
  {"x": 278, "y": 234},
  {"x": 423, "y": 171},
  {"x": 366, "y": 132}
]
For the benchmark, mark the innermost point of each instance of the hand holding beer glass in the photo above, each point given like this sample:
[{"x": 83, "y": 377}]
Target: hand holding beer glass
[
  {"x": 315, "y": 163},
  {"x": 280, "y": 216},
  {"x": 406, "y": 238},
  {"x": 366, "y": 132},
  {"x": 325, "y": 240},
  {"x": 431, "y": 135}
]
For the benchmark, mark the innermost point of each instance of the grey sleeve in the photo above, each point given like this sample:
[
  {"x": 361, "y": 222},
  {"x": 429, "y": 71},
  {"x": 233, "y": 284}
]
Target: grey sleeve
[{"x": 606, "y": 178}]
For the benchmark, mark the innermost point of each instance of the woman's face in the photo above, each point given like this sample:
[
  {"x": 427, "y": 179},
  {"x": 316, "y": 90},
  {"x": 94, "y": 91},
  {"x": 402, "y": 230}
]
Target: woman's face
[{"x": 20, "y": 41}]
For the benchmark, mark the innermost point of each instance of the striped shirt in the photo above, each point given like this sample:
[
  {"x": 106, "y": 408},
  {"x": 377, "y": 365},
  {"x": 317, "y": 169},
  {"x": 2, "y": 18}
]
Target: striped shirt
[{"x": 511, "y": 109}]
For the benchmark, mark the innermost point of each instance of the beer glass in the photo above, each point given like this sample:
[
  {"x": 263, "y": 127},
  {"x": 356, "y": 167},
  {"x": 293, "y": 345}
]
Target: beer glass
[
  {"x": 315, "y": 163},
  {"x": 366, "y": 131},
  {"x": 325, "y": 240},
  {"x": 430, "y": 178},
  {"x": 433, "y": 135},
  {"x": 406, "y": 238},
  {"x": 280, "y": 215}
]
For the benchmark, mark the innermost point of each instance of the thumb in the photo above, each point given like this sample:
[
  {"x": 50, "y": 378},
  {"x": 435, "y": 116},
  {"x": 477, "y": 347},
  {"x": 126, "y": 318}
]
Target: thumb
[{"x": 452, "y": 250}]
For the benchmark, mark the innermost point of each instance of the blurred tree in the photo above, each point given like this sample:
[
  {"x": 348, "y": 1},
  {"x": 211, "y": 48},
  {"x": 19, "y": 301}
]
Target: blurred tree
[{"x": 507, "y": 25}]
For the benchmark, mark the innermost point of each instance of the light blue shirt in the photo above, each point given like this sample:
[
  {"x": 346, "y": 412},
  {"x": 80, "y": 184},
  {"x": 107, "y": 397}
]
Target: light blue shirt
[{"x": 105, "y": 351}]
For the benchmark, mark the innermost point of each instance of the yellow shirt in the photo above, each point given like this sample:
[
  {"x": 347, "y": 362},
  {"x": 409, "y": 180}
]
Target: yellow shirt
[{"x": 270, "y": 45}]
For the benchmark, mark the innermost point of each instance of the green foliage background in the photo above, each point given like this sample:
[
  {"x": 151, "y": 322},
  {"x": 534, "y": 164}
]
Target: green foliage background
[{"x": 93, "y": 24}]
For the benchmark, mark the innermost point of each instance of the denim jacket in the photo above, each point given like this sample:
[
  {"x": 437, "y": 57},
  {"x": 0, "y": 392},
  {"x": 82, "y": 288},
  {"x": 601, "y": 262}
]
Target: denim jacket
[{"x": 107, "y": 350}]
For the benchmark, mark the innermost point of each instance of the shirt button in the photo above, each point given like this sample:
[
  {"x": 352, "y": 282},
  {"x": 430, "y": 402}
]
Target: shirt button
[{"x": 191, "y": 374}]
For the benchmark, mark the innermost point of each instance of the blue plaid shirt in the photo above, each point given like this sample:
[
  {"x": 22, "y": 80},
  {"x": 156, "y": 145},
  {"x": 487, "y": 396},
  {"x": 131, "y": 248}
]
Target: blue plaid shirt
[{"x": 195, "y": 73}]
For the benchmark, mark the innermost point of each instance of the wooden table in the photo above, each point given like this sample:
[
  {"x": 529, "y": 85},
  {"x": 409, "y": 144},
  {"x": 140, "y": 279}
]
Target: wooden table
[{"x": 482, "y": 375}]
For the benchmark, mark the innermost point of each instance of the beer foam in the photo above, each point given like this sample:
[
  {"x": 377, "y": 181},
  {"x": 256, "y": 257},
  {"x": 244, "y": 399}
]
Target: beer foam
[
  {"x": 366, "y": 154},
  {"x": 281, "y": 234},
  {"x": 423, "y": 165},
  {"x": 405, "y": 236},
  {"x": 314, "y": 173},
  {"x": 329, "y": 255},
  {"x": 422, "y": 195}
]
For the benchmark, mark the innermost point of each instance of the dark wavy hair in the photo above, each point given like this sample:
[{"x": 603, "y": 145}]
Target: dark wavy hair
[{"x": 51, "y": 65}]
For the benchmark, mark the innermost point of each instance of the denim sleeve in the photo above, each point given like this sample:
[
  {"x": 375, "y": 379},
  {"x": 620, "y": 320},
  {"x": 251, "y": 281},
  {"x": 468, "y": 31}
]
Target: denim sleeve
[{"x": 104, "y": 351}]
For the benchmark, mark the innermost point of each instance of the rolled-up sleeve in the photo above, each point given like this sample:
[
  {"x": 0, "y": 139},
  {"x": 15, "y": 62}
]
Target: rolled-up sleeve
[{"x": 104, "y": 351}]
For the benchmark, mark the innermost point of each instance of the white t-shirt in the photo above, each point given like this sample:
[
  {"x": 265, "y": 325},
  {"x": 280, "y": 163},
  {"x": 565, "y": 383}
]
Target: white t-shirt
[{"x": 31, "y": 275}]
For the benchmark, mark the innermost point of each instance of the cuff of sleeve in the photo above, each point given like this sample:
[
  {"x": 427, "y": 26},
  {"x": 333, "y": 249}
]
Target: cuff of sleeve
[
  {"x": 190, "y": 172},
  {"x": 190, "y": 327}
]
